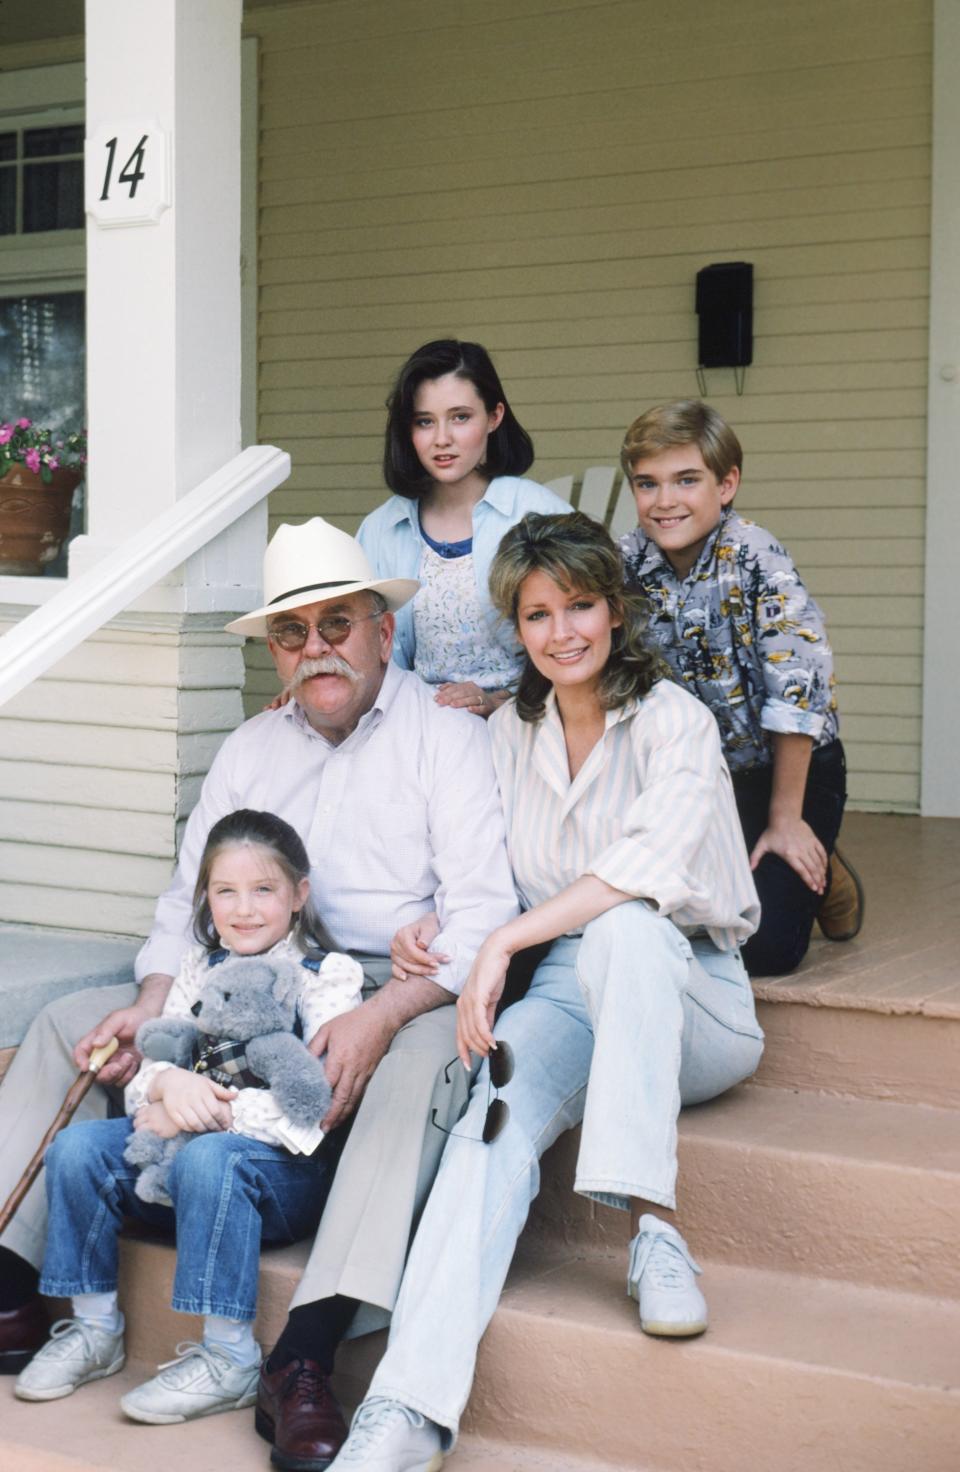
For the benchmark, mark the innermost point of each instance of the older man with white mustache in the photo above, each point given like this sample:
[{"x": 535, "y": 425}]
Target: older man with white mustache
[{"x": 396, "y": 801}]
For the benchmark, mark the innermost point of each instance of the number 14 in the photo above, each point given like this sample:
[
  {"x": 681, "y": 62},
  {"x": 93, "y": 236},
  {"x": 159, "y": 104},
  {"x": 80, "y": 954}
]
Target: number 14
[{"x": 132, "y": 171}]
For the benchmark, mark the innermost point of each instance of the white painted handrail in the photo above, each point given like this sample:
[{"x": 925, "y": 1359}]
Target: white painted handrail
[{"x": 30, "y": 648}]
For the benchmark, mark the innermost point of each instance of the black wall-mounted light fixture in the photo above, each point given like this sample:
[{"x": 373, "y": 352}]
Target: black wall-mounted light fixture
[{"x": 725, "y": 309}]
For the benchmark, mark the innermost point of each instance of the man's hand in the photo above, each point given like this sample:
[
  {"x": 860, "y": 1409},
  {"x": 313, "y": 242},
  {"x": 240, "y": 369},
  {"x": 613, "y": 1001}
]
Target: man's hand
[
  {"x": 155, "y": 1117},
  {"x": 409, "y": 948},
  {"x": 354, "y": 1043},
  {"x": 193, "y": 1103},
  {"x": 477, "y": 1002},
  {"x": 797, "y": 844},
  {"x": 122, "y": 1025}
]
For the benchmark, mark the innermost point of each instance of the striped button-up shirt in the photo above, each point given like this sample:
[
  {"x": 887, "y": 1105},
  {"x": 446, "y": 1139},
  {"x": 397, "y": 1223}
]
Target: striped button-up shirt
[{"x": 651, "y": 812}]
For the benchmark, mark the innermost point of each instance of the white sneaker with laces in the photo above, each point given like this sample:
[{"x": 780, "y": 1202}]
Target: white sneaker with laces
[
  {"x": 386, "y": 1436},
  {"x": 200, "y": 1382},
  {"x": 75, "y": 1353},
  {"x": 661, "y": 1278}
]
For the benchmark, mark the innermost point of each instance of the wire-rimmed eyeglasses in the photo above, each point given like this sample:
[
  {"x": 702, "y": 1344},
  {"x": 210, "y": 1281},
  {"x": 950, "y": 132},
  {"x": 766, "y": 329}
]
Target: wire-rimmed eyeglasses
[
  {"x": 500, "y": 1073},
  {"x": 292, "y": 634}
]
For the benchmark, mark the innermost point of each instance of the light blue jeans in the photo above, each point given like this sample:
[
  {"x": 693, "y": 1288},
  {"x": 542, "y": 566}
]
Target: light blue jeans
[{"x": 619, "y": 1028}]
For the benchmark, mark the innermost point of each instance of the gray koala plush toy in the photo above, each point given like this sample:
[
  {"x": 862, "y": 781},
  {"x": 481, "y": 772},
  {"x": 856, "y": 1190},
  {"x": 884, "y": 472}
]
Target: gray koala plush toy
[{"x": 243, "y": 1036}]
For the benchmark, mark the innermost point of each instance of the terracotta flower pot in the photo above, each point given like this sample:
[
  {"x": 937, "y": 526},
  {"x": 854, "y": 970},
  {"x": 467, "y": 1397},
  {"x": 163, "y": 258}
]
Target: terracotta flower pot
[{"x": 34, "y": 518}]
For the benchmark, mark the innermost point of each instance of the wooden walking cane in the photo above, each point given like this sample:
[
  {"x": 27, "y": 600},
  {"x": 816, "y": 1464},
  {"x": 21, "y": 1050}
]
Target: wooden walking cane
[{"x": 74, "y": 1096}]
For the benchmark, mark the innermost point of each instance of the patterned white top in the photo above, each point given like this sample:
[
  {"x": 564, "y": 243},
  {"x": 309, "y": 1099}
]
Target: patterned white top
[
  {"x": 651, "y": 812},
  {"x": 450, "y": 627},
  {"x": 324, "y": 994}
]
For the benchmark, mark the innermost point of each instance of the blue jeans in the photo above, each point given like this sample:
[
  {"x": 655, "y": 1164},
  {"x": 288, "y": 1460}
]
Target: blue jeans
[
  {"x": 619, "y": 1028},
  {"x": 229, "y": 1193}
]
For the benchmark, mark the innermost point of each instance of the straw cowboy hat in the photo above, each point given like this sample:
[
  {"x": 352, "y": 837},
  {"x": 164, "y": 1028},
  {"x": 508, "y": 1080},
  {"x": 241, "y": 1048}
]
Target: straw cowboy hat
[{"x": 312, "y": 562}]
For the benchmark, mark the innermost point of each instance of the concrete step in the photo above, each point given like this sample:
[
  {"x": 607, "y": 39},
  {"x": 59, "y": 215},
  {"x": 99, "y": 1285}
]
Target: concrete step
[
  {"x": 811, "y": 1183},
  {"x": 38, "y": 965},
  {"x": 795, "y": 1374},
  {"x": 87, "y": 1432},
  {"x": 879, "y": 1016}
]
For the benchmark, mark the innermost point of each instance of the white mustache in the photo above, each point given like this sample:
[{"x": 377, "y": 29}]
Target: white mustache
[{"x": 327, "y": 664}]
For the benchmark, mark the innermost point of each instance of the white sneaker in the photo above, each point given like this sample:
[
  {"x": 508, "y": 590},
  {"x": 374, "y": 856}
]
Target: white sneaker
[
  {"x": 200, "y": 1382},
  {"x": 74, "y": 1354},
  {"x": 661, "y": 1278},
  {"x": 386, "y": 1436}
]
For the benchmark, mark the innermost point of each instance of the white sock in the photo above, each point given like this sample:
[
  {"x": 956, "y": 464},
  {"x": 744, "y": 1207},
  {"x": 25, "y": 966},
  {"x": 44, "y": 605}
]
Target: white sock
[
  {"x": 100, "y": 1310},
  {"x": 233, "y": 1337}
]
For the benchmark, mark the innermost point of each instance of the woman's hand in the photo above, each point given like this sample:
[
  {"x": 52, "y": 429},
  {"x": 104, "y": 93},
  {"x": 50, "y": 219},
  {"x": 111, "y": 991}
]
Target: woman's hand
[
  {"x": 478, "y": 1000},
  {"x": 465, "y": 695},
  {"x": 797, "y": 844},
  {"x": 195, "y": 1104},
  {"x": 155, "y": 1117},
  {"x": 279, "y": 701},
  {"x": 409, "y": 949}
]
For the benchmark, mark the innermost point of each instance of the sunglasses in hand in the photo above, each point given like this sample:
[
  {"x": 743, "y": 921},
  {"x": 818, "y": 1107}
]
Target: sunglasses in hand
[{"x": 500, "y": 1062}]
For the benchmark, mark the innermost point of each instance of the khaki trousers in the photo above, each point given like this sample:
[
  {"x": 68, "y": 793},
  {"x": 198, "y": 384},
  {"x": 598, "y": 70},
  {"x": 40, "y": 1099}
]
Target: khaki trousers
[{"x": 384, "y": 1174}]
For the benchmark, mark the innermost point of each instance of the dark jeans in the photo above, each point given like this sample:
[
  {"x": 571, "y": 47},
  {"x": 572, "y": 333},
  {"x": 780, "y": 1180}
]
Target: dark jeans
[{"x": 787, "y": 907}]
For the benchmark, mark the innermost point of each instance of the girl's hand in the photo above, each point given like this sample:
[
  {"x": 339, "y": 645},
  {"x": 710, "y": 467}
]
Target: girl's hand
[
  {"x": 478, "y": 1000},
  {"x": 409, "y": 948},
  {"x": 279, "y": 701},
  {"x": 154, "y": 1117},
  {"x": 467, "y": 696},
  {"x": 797, "y": 844},
  {"x": 195, "y": 1104}
]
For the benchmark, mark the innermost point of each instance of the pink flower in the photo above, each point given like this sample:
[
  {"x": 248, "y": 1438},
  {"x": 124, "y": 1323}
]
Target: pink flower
[
  {"x": 32, "y": 461},
  {"x": 53, "y": 462},
  {"x": 6, "y": 433},
  {"x": 24, "y": 423}
]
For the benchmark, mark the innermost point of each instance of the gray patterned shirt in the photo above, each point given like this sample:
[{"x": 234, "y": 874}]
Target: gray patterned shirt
[{"x": 742, "y": 633}]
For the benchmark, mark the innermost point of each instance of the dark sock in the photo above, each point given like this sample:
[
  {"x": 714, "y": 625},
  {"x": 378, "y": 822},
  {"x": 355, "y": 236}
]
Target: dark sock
[
  {"x": 313, "y": 1331},
  {"x": 18, "y": 1281}
]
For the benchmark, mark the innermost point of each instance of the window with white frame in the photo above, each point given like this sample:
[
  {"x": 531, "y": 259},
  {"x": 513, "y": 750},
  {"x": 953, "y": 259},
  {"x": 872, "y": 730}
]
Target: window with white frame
[{"x": 42, "y": 266}]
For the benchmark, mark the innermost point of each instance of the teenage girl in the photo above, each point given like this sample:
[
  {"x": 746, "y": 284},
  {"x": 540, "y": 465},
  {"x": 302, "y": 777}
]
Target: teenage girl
[
  {"x": 249, "y": 1173},
  {"x": 454, "y": 456}
]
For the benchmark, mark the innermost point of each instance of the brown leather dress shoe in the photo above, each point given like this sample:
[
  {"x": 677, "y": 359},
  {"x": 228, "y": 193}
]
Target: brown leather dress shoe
[
  {"x": 840, "y": 914},
  {"x": 22, "y": 1332},
  {"x": 298, "y": 1413}
]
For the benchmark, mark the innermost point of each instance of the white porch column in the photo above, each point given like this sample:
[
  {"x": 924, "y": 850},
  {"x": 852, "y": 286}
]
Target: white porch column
[
  {"x": 163, "y": 303},
  {"x": 940, "y": 784},
  {"x": 104, "y": 756}
]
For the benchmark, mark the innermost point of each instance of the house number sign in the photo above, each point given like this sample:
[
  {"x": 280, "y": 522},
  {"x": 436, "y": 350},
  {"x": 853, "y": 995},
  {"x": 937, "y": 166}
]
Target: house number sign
[{"x": 127, "y": 174}]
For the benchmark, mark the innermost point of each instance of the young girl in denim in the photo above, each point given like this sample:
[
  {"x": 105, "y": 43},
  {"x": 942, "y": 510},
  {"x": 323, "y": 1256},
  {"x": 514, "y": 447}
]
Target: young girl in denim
[
  {"x": 454, "y": 456},
  {"x": 249, "y": 1174}
]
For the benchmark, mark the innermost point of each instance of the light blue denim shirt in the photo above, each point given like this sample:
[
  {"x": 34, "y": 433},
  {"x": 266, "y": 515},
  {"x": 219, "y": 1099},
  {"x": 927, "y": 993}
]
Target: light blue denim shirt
[{"x": 391, "y": 538}]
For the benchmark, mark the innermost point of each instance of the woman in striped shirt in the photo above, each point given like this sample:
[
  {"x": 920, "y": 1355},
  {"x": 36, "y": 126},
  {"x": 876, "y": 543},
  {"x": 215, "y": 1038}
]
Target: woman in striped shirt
[{"x": 630, "y": 862}]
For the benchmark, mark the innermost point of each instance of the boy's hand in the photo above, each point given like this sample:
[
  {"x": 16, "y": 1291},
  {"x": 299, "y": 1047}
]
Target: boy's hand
[
  {"x": 193, "y": 1103},
  {"x": 154, "y": 1117},
  {"x": 796, "y": 843}
]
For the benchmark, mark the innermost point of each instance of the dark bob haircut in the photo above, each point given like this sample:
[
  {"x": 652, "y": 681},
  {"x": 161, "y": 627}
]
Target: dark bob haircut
[
  {"x": 579, "y": 556},
  {"x": 285, "y": 847},
  {"x": 509, "y": 448}
]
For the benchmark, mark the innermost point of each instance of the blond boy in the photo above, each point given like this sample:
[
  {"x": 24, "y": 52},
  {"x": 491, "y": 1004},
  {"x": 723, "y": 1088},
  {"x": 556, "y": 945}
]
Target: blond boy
[{"x": 739, "y": 629}]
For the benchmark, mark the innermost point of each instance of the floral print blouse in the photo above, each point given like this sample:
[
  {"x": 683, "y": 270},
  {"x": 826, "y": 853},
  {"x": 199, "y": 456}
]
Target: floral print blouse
[{"x": 742, "y": 633}]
